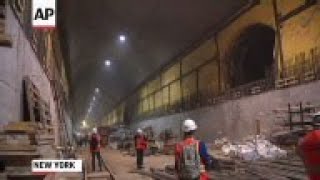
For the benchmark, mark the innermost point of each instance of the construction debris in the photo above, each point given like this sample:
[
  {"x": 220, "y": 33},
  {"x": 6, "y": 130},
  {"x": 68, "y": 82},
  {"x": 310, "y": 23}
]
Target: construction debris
[{"x": 252, "y": 149}]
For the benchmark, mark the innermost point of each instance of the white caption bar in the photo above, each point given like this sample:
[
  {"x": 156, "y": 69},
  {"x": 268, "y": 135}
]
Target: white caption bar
[{"x": 40, "y": 166}]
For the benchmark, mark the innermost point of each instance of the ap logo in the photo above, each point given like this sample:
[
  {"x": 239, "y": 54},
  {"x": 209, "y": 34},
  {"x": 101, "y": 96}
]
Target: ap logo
[{"x": 44, "y": 13}]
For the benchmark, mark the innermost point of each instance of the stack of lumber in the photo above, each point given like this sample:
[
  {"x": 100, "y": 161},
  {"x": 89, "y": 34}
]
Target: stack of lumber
[
  {"x": 17, "y": 150},
  {"x": 28, "y": 127},
  {"x": 45, "y": 146}
]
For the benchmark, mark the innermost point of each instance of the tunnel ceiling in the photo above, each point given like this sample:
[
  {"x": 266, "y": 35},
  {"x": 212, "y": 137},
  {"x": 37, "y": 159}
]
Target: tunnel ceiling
[{"x": 156, "y": 30}]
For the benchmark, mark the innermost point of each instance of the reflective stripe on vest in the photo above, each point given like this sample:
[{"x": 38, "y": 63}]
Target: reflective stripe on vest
[{"x": 202, "y": 166}]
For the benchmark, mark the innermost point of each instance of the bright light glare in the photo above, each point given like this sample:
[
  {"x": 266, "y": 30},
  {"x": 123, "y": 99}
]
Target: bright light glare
[
  {"x": 107, "y": 62},
  {"x": 97, "y": 90},
  {"x": 84, "y": 123},
  {"x": 122, "y": 38}
]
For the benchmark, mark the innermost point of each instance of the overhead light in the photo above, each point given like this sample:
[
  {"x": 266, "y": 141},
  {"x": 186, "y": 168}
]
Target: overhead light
[
  {"x": 122, "y": 38},
  {"x": 94, "y": 98},
  {"x": 97, "y": 90},
  {"x": 84, "y": 123},
  {"x": 107, "y": 63}
]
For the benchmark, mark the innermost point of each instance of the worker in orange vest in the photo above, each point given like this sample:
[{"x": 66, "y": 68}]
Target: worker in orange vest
[
  {"x": 95, "y": 144},
  {"x": 191, "y": 155},
  {"x": 141, "y": 144},
  {"x": 309, "y": 150}
]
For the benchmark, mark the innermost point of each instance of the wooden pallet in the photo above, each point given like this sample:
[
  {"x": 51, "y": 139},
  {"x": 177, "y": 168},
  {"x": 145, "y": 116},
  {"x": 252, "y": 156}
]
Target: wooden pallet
[
  {"x": 22, "y": 173},
  {"x": 236, "y": 94},
  {"x": 12, "y": 147},
  {"x": 308, "y": 76},
  {"x": 255, "y": 90},
  {"x": 287, "y": 82}
]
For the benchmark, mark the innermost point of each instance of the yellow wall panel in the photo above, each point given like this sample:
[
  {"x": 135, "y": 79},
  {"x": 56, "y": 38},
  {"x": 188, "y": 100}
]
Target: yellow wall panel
[
  {"x": 171, "y": 74},
  {"x": 158, "y": 99},
  {"x": 165, "y": 93},
  {"x": 175, "y": 92},
  {"x": 300, "y": 33},
  {"x": 144, "y": 91},
  {"x": 151, "y": 102},
  {"x": 286, "y": 6},
  {"x": 189, "y": 85},
  {"x": 154, "y": 85},
  {"x": 209, "y": 79},
  {"x": 145, "y": 105},
  {"x": 203, "y": 53}
]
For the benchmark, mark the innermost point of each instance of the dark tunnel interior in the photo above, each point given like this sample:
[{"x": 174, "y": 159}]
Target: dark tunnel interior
[{"x": 253, "y": 55}]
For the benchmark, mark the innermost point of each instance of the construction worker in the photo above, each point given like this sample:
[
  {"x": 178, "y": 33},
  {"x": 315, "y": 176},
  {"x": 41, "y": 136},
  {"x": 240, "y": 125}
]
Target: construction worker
[
  {"x": 309, "y": 150},
  {"x": 141, "y": 143},
  {"x": 191, "y": 156},
  {"x": 95, "y": 149}
]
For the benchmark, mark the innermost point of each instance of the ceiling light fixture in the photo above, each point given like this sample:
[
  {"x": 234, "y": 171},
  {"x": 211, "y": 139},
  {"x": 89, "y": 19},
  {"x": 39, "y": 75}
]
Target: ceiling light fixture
[
  {"x": 122, "y": 38},
  {"x": 107, "y": 63},
  {"x": 84, "y": 123}
]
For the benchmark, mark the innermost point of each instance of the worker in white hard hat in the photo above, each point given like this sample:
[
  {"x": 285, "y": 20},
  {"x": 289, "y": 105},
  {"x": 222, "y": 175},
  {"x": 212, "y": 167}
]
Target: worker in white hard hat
[
  {"x": 141, "y": 144},
  {"x": 191, "y": 155},
  {"x": 95, "y": 149}
]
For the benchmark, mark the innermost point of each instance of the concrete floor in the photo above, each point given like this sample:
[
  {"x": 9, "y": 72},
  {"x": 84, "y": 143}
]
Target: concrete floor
[{"x": 124, "y": 166}]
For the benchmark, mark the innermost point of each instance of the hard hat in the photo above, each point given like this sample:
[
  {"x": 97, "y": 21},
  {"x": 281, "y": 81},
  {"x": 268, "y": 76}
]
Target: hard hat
[
  {"x": 189, "y": 125},
  {"x": 139, "y": 131},
  {"x": 94, "y": 130}
]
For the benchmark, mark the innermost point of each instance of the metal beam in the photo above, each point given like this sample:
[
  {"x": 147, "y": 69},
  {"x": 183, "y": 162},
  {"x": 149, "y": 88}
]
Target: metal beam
[{"x": 298, "y": 10}]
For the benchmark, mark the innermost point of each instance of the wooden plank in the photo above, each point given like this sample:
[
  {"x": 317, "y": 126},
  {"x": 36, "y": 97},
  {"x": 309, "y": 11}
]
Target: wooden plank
[
  {"x": 264, "y": 173},
  {"x": 19, "y": 153},
  {"x": 5, "y": 40},
  {"x": 46, "y": 137},
  {"x": 286, "y": 167},
  {"x": 27, "y": 127},
  {"x": 98, "y": 175},
  {"x": 10, "y": 147},
  {"x": 261, "y": 169}
]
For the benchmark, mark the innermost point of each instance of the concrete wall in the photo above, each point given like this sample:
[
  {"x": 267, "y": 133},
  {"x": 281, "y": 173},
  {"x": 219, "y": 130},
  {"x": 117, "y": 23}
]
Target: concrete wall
[
  {"x": 15, "y": 63},
  {"x": 237, "y": 119}
]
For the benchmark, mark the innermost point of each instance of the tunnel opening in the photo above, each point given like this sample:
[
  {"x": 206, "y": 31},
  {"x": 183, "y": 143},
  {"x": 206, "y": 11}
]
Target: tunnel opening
[{"x": 252, "y": 57}]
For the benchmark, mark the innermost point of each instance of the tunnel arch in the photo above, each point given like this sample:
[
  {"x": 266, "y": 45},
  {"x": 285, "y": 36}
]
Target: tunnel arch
[{"x": 252, "y": 56}]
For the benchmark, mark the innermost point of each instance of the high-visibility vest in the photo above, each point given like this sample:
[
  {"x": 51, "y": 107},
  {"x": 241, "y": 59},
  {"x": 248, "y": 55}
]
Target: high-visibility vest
[
  {"x": 310, "y": 151},
  {"x": 95, "y": 137},
  {"x": 179, "y": 151},
  {"x": 141, "y": 142}
]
